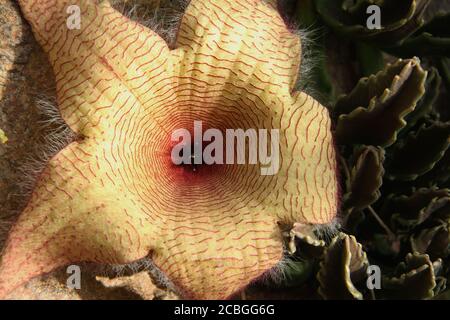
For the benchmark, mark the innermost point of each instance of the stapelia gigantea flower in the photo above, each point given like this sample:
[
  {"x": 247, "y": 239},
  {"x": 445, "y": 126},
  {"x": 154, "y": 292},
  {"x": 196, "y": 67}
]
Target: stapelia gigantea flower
[{"x": 115, "y": 196}]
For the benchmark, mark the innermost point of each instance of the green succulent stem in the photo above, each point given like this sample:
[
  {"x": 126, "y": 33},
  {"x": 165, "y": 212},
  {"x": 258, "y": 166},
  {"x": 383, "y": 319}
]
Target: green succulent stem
[{"x": 381, "y": 223}]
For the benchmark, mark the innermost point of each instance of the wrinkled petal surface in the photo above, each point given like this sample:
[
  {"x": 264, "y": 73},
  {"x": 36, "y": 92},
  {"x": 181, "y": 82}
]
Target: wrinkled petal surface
[{"x": 116, "y": 196}]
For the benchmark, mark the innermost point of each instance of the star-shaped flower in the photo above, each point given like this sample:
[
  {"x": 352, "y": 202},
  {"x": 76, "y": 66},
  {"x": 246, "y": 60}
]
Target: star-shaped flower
[{"x": 115, "y": 196}]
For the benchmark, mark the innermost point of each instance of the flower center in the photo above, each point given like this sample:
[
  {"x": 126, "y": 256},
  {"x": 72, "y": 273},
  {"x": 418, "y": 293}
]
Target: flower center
[{"x": 195, "y": 161}]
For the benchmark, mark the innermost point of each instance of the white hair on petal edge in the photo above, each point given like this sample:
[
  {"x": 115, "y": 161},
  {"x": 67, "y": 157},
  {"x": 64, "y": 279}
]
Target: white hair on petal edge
[
  {"x": 327, "y": 231},
  {"x": 164, "y": 19},
  {"x": 160, "y": 277},
  {"x": 144, "y": 264},
  {"x": 277, "y": 274},
  {"x": 54, "y": 135},
  {"x": 311, "y": 58}
]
